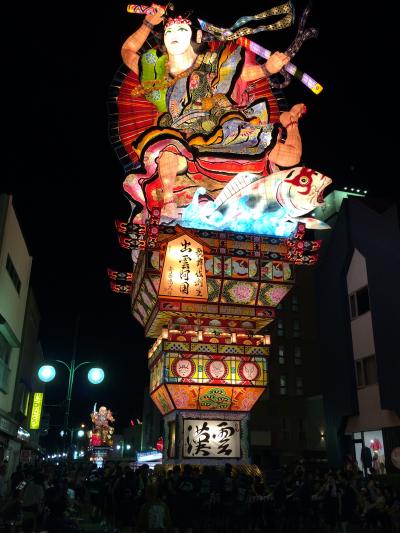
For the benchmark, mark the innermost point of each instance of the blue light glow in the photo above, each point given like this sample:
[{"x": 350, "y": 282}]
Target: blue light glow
[
  {"x": 46, "y": 373},
  {"x": 202, "y": 216},
  {"x": 96, "y": 375}
]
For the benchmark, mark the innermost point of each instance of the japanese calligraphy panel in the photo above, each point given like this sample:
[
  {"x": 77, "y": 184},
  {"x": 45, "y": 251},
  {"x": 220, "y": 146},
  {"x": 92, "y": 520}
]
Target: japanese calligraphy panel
[
  {"x": 211, "y": 438},
  {"x": 184, "y": 274}
]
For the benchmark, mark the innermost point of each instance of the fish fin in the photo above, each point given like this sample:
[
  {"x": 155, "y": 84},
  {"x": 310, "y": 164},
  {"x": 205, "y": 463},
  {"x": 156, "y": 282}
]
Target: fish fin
[{"x": 241, "y": 180}]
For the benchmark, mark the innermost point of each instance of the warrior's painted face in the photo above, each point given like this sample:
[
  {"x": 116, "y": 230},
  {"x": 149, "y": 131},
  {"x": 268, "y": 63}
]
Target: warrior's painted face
[
  {"x": 103, "y": 410},
  {"x": 177, "y": 38}
]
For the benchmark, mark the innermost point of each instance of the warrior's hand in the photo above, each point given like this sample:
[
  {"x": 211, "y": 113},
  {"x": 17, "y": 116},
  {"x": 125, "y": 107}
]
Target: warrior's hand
[
  {"x": 291, "y": 117},
  {"x": 157, "y": 17},
  {"x": 276, "y": 62}
]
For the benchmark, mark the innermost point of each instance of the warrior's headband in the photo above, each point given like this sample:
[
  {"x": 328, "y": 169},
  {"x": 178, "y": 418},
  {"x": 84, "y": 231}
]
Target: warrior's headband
[{"x": 177, "y": 20}]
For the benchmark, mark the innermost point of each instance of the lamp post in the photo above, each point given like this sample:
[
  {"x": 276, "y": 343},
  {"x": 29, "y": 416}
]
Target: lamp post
[
  {"x": 122, "y": 447},
  {"x": 74, "y": 447},
  {"x": 79, "y": 432},
  {"x": 47, "y": 373}
]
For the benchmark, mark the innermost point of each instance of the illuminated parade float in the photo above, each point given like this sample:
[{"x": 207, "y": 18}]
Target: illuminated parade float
[
  {"x": 218, "y": 221},
  {"x": 101, "y": 435}
]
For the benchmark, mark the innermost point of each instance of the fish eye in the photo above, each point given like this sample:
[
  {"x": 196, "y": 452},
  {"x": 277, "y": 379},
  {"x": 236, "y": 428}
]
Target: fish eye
[{"x": 303, "y": 180}]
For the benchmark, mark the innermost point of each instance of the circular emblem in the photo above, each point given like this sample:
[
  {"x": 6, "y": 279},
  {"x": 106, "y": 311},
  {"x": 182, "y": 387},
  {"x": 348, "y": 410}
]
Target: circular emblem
[
  {"x": 216, "y": 369},
  {"x": 183, "y": 368},
  {"x": 249, "y": 370}
]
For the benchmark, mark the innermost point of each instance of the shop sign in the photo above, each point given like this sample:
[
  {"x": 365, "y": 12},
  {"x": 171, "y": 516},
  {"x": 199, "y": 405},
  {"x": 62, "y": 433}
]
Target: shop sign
[
  {"x": 36, "y": 410},
  {"x": 218, "y": 439},
  {"x": 152, "y": 455},
  {"x": 7, "y": 426},
  {"x": 395, "y": 457}
]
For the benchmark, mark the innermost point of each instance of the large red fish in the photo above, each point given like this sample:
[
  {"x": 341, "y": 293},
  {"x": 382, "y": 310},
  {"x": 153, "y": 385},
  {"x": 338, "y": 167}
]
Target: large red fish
[{"x": 257, "y": 204}]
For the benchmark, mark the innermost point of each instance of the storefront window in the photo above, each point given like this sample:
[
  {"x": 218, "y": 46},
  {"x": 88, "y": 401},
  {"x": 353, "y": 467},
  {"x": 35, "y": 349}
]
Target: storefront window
[
  {"x": 366, "y": 371},
  {"x": 298, "y": 358},
  {"x": 359, "y": 302},
  {"x": 283, "y": 385},
  {"x": 5, "y": 350},
  {"x": 281, "y": 354},
  {"x": 299, "y": 386},
  {"x": 370, "y": 453},
  {"x": 370, "y": 374}
]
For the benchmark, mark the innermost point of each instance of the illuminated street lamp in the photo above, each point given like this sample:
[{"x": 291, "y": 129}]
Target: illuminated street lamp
[
  {"x": 96, "y": 375},
  {"x": 79, "y": 432},
  {"x": 122, "y": 447},
  {"x": 47, "y": 373}
]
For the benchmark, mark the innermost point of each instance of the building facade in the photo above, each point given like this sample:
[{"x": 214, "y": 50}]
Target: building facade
[
  {"x": 358, "y": 287},
  {"x": 19, "y": 350},
  {"x": 153, "y": 426},
  {"x": 27, "y": 382},
  {"x": 15, "y": 269},
  {"x": 288, "y": 422}
]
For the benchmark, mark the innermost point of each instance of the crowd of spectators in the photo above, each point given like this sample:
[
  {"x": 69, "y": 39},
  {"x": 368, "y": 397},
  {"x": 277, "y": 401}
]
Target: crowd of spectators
[{"x": 186, "y": 499}]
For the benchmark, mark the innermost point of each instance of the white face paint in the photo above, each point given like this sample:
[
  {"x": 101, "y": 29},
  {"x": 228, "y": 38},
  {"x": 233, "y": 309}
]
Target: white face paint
[{"x": 177, "y": 38}]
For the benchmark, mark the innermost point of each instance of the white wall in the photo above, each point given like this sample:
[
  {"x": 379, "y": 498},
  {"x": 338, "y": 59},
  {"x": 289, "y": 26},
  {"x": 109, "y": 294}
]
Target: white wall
[
  {"x": 362, "y": 336},
  {"x": 361, "y": 327},
  {"x": 371, "y": 415},
  {"x": 12, "y": 303},
  {"x": 357, "y": 274}
]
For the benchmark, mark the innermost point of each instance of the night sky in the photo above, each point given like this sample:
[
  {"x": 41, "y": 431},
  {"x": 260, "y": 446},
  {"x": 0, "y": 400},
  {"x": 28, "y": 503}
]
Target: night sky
[{"x": 67, "y": 181}]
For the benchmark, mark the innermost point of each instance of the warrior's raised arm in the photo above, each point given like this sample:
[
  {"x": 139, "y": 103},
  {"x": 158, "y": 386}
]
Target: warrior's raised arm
[{"x": 134, "y": 42}]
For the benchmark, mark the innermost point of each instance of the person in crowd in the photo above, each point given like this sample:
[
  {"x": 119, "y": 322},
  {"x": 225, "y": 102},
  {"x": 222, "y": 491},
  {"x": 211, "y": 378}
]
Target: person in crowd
[
  {"x": 227, "y": 492},
  {"x": 186, "y": 496},
  {"x": 94, "y": 487},
  {"x": 394, "y": 512},
  {"x": 154, "y": 516},
  {"x": 348, "y": 502},
  {"x": 123, "y": 496},
  {"x": 17, "y": 476},
  {"x": 11, "y": 510},
  {"x": 33, "y": 502},
  {"x": 3, "y": 483},
  {"x": 375, "y": 510},
  {"x": 243, "y": 491},
  {"x": 330, "y": 494},
  {"x": 366, "y": 459}
]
